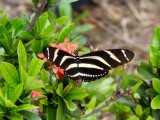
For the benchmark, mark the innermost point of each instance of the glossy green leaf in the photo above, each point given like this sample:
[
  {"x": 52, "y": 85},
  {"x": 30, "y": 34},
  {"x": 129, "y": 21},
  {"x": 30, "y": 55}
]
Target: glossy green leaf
[
  {"x": 61, "y": 21},
  {"x": 23, "y": 74},
  {"x": 29, "y": 115},
  {"x": 14, "y": 46},
  {"x": 149, "y": 118},
  {"x": 70, "y": 105},
  {"x": 61, "y": 110},
  {"x": 9, "y": 73},
  {"x": 4, "y": 17},
  {"x": 16, "y": 93},
  {"x": 59, "y": 90},
  {"x": 138, "y": 110},
  {"x": 41, "y": 23},
  {"x": 44, "y": 76},
  {"x": 154, "y": 56},
  {"x": 47, "y": 33},
  {"x": 155, "y": 104},
  {"x": 145, "y": 70},
  {"x": 64, "y": 2},
  {"x": 22, "y": 55},
  {"x": 9, "y": 104},
  {"x": 156, "y": 84},
  {"x": 64, "y": 33},
  {"x": 14, "y": 117},
  {"x": 156, "y": 38},
  {"x": 26, "y": 36},
  {"x": 92, "y": 103},
  {"x": 136, "y": 86},
  {"x": 24, "y": 19},
  {"x": 35, "y": 67},
  {"x": 77, "y": 93},
  {"x": 125, "y": 81},
  {"x": 35, "y": 1},
  {"x": 67, "y": 89},
  {"x": 6, "y": 44},
  {"x": 66, "y": 10},
  {"x": 2, "y": 99},
  {"x": 23, "y": 107},
  {"x": 151, "y": 91},
  {"x": 51, "y": 113},
  {"x": 32, "y": 84},
  {"x": 36, "y": 45},
  {"x": 80, "y": 17},
  {"x": 83, "y": 28}
]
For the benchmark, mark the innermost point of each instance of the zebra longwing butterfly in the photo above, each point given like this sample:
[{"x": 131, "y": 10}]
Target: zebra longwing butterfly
[{"x": 90, "y": 66}]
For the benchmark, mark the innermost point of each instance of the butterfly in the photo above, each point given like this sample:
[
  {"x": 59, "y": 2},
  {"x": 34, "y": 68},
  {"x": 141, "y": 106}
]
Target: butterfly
[{"x": 90, "y": 66}]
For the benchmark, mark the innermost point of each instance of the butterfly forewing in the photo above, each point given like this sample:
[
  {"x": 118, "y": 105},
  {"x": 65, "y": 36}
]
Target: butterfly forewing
[
  {"x": 59, "y": 57},
  {"x": 90, "y": 66}
]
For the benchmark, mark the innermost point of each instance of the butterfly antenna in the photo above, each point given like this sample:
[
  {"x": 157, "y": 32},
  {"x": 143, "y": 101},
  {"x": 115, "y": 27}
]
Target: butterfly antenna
[{"x": 90, "y": 46}]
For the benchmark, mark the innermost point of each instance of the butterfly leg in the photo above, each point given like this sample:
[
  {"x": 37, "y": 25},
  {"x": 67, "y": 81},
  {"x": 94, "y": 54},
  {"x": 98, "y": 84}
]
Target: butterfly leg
[{"x": 78, "y": 82}]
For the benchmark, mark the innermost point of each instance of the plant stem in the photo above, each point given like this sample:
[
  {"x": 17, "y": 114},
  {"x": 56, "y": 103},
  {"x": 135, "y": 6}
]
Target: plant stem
[
  {"x": 40, "y": 10},
  {"x": 112, "y": 99}
]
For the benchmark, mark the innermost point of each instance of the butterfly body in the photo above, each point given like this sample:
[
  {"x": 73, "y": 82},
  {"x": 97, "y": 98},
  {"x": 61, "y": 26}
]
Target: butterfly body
[{"x": 90, "y": 66}]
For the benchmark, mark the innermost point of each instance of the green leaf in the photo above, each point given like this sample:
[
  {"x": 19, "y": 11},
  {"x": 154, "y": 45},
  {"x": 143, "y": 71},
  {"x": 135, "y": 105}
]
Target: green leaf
[
  {"x": 44, "y": 76},
  {"x": 63, "y": 2},
  {"x": 156, "y": 38},
  {"x": 61, "y": 110},
  {"x": 92, "y": 103},
  {"x": 67, "y": 89},
  {"x": 16, "y": 93},
  {"x": 29, "y": 115},
  {"x": 32, "y": 84},
  {"x": 9, "y": 104},
  {"x": 14, "y": 46},
  {"x": 66, "y": 10},
  {"x": 154, "y": 56},
  {"x": 155, "y": 104},
  {"x": 23, "y": 107},
  {"x": 35, "y": 66},
  {"x": 6, "y": 44},
  {"x": 35, "y": 1},
  {"x": 41, "y": 23},
  {"x": 83, "y": 28},
  {"x": 26, "y": 36},
  {"x": 2, "y": 99},
  {"x": 78, "y": 94},
  {"x": 50, "y": 113},
  {"x": 145, "y": 70},
  {"x": 14, "y": 117},
  {"x": 4, "y": 17},
  {"x": 59, "y": 90},
  {"x": 125, "y": 81},
  {"x": 156, "y": 84},
  {"x": 70, "y": 105},
  {"x": 23, "y": 74},
  {"x": 24, "y": 19},
  {"x": 149, "y": 118},
  {"x": 138, "y": 110},
  {"x": 64, "y": 33},
  {"x": 9, "y": 73},
  {"x": 22, "y": 56},
  {"x": 36, "y": 45},
  {"x": 61, "y": 21},
  {"x": 136, "y": 86}
]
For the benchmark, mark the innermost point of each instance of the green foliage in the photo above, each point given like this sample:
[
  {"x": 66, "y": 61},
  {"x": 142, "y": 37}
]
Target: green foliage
[{"x": 23, "y": 75}]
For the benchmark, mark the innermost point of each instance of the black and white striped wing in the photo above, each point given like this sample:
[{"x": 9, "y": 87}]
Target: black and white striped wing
[
  {"x": 95, "y": 65},
  {"x": 59, "y": 57}
]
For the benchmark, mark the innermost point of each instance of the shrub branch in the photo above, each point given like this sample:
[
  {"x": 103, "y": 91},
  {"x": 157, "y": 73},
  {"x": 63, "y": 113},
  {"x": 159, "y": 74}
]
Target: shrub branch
[{"x": 39, "y": 10}]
